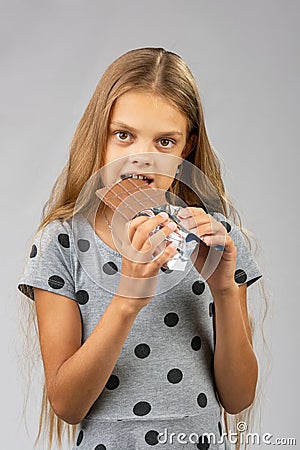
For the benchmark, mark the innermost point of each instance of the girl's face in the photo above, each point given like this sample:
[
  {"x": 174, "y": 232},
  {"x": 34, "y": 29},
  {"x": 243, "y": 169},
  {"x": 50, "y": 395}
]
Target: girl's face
[{"x": 146, "y": 135}]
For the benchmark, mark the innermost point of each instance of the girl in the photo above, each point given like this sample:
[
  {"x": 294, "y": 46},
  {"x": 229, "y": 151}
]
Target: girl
[{"x": 136, "y": 355}]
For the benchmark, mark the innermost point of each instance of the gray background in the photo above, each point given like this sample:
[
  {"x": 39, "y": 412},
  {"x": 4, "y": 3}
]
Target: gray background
[{"x": 244, "y": 56}]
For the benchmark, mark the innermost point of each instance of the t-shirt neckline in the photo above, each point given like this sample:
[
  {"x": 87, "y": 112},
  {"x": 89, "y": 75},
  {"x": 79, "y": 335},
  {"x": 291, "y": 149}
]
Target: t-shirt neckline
[{"x": 98, "y": 240}]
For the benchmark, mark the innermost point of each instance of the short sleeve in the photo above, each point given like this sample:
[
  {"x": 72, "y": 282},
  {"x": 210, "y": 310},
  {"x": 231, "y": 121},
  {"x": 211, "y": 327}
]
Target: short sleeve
[
  {"x": 247, "y": 269},
  {"x": 49, "y": 264}
]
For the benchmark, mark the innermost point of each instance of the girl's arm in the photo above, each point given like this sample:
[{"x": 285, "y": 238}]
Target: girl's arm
[
  {"x": 76, "y": 374},
  {"x": 235, "y": 364}
]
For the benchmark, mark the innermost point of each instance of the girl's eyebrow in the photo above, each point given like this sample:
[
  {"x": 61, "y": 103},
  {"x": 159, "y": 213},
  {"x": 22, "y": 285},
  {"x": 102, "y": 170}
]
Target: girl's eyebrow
[{"x": 127, "y": 127}]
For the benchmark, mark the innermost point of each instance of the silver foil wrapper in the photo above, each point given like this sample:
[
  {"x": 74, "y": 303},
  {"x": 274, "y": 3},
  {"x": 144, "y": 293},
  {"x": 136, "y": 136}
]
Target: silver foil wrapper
[{"x": 186, "y": 241}]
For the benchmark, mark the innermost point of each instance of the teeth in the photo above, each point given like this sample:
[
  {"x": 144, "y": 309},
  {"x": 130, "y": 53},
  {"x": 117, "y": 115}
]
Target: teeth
[{"x": 138, "y": 177}]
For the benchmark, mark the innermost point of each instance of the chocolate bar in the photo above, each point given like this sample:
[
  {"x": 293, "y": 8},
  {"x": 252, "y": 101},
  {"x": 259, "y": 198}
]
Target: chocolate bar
[{"x": 130, "y": 196}]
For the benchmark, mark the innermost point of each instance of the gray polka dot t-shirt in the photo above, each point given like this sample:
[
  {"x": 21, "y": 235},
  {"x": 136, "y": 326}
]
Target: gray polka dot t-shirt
[{"x": 163, "y": 378}]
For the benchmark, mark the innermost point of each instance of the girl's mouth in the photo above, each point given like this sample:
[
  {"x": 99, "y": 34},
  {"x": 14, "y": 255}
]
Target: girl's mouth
[{"x": 147, "y": 178}]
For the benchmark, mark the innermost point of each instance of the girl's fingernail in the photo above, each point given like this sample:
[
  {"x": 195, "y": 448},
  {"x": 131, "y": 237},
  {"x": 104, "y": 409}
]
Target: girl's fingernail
[
  {"x": 163, "y": 214},
  {"x": 173, "y": 245},
  {"x": 172, "y": 225}
]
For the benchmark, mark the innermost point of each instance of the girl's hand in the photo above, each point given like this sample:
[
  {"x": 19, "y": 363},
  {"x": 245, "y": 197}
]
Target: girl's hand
[
  {"x": 139, "y": 270},
  {"x": 219, "y": 267}
]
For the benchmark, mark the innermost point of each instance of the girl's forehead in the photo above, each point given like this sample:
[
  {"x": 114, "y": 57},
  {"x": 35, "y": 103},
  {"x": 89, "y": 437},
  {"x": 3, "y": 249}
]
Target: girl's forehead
[{"x": 134, "y": 108}]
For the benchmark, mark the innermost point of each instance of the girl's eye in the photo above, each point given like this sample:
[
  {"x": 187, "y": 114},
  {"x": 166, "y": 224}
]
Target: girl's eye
[
  {"x": 166, "y": 143},
  {"x": 123, "y": 136}
]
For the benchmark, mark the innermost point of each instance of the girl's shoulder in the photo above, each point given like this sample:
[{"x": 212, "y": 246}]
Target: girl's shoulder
[
  {"x": 54, "y": 227},
  {"x": 232, "y": 228},
  {"x": 49, "y": 262},
  {"x": 58, "y": 231}
]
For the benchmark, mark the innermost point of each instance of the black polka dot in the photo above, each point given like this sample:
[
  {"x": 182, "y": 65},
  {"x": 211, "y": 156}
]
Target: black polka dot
[
  {"x": 175, "y": 376},
  {"x": 141, "y": 408},
  {"x": 33, "y": 252},
  {"x": 171, "y": 319},
  {"x": 142, "y": 351},
  {"x": 202, "y": 400},
  {"x": 226, "y": 225},
  {"x": 196, "y": 343},
  {"x": 166, "y": 270},
  {"x": 79, "y": 438},
  {"x": 211, "y": 309},
  {"x": 83, "y": 245},
  {"x": 203, "y": 443},
  {"x": 56, "y": 282},
  {"x": 82, "y": 297},
  {"x": 112, "y": 383},
  {"x": 220, "y": 428},
  {"x": 198, "y": 287},
  {"x": 64, "y": 240},
  {"x": 240, "y": 276},
  {"x": 110, "y": 268},
  {"x": 151, "y": 437},
  {"x": 100, "y": 447}
]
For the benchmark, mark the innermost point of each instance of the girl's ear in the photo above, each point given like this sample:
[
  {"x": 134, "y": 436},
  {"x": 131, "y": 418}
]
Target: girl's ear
[{"x": 188, "y": 146}]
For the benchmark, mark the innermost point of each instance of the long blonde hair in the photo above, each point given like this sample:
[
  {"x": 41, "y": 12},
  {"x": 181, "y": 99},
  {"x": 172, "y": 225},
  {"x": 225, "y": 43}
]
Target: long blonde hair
[{"x": 165, "y": 74}]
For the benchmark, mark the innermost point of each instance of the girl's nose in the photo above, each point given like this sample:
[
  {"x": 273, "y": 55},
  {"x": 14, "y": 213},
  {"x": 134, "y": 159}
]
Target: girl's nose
[{"x": 141, "y": 159}]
